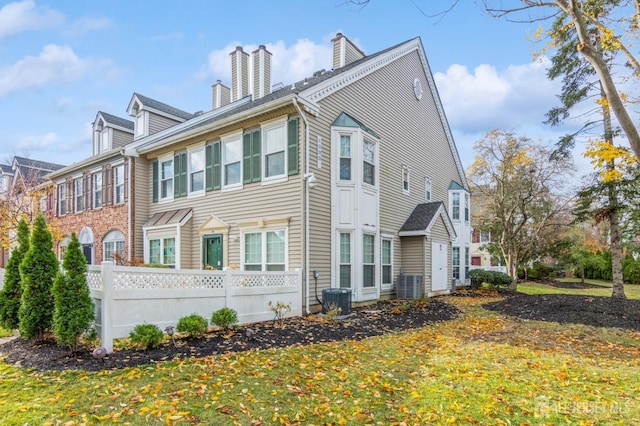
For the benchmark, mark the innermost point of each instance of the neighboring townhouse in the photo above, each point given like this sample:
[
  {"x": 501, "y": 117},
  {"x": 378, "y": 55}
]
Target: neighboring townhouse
[
  {"x": 23, "y": 194},
  {"x": 95, "y": 198},
  {"x": 350, "y": 175}
]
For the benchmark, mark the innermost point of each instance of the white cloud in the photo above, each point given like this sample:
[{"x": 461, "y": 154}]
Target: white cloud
[
  {"x": 288, "y": 63},
  {"x": 55, "y": 64},
  {"x": 488, "y": 98},
  {"x": 23, "y": 16},
  {"x": 86, "y": 24},
  {"x": 37, "y": 143}
]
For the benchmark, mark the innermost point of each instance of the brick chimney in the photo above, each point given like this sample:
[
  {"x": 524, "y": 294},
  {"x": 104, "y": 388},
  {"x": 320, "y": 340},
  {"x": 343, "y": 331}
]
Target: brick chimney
[
  {"x": 239, "y": 74},
  {"x": 220, "y": 94},
  {"x": 261, "y": 72},
  {"x": 344, "y": 51}
]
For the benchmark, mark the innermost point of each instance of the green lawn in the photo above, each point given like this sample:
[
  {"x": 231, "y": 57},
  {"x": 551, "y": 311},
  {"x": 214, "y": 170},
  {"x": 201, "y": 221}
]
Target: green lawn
[
  {"x": 4, "y": 332},
  {"x": 632, "y": 291},
  {"x": 483, "y": 368}
]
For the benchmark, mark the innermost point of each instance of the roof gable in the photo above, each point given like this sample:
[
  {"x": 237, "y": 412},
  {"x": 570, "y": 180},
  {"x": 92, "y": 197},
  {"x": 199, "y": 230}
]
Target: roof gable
[
  {"x": 424, "y": 217},
  {"x": 157, "y": 107},
  {"x": 114, "y": 121}
]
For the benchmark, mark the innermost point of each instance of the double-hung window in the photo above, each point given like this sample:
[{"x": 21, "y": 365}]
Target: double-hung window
[
  {"x": 427, "y": 189},
  {"x": 118, "y": 184},
  {"x": 368, "y": 261},
  {"x": 275, "y": 149},
  {"x": 196, "y": 170},
  {"x": 113, "y": 247},
  {"x": 78, "y": 187},
  {"x": 232, "y": 162},
  {"x": 105, "y": 144},
  {"x": 345, "y": 157},
  {"x": 265, "y": 250},
  {"x": 368, "y": 162},
  {"x": 455, "y": 260},
  {"x": 97, "y": 189},
  {"x": 455, "y": 212},
  {"x": 345, "y": 260},
  {"x": 405, "y": 179},
  {"x": 387, "y": 273},
  {"x": 162, "y": 251},
  {"x": 466, "y": 207},
  {"x": 166, "y": 179},
  {"x": 62, "y": 199}
]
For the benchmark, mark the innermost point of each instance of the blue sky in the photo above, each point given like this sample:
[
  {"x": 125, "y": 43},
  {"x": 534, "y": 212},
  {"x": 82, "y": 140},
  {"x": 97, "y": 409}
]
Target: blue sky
[{"x": 61, "y": 62}]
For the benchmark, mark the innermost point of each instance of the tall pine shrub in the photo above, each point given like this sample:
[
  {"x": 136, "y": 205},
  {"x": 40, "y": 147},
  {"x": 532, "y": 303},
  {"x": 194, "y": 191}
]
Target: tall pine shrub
[
  {"x": 74, "y": 309},
  {"x": 38, "y": 270},
  {"x": 11, "y": 293}
]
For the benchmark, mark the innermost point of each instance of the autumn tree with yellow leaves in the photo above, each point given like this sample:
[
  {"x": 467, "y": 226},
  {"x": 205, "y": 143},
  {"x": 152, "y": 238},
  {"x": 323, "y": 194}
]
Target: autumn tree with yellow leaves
[{"x": 520, "y": 197}]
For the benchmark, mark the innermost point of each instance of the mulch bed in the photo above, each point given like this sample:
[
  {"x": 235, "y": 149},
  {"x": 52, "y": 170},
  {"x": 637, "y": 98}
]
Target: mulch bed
[
  {"x": 572, "y": 285},
  {"x": 372, "y": 320},
  {"x": 566, "y": 308}
]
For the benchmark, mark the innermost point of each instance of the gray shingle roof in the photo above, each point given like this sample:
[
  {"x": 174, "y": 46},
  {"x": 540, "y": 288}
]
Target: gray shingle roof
[
  {"x": 29, "y": 168},
  {"x": 421, "y": 216},
  {"x": 290, "y": 89},
  {"x": 160, "y": 106},
  {"x": 117, "y": 121},
  {"x": 6, "y": 168}
]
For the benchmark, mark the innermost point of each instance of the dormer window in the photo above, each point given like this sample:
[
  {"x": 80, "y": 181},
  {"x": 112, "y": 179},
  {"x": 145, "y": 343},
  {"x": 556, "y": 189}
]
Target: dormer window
[
  {"x": 105, "y": 140},
  {"x": 141, "y": 128}
]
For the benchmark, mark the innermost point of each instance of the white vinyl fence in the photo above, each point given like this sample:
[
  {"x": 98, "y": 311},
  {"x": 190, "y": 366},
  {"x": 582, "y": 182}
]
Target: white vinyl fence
[{"x": 127, "y": 296}]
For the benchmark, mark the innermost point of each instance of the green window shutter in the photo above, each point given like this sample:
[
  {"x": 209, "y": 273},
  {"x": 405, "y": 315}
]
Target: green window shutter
[
  {"x": 255, "y": 156},
  {"x": 184, "y": 171},
  {"x": 208, "y": 168},
  {"x": 246, "y": 158},
  {"x": 154, "y": 167},
  {"x": 176, "y": 175},
  {"x": 292, "y": 145},
  {"x": 217, "y": 170}
]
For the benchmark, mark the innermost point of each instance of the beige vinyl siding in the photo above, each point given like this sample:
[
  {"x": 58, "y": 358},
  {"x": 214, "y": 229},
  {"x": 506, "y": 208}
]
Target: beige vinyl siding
[
  {"x": 188, "y": 258},
  {"x": 158, "y": 123},
  {"x": 253, "y": 202},
  {"x": 121, "y": 138},
  {"x": 140, "y": 198},
  {"x": 411, "y": 133},
  {"x": 413, "y": 249}
]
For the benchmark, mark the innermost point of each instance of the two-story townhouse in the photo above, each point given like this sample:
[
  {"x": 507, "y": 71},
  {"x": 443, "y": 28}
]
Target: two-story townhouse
[
  {"x": 351, "y": 175},
  {"x": 22, "y": 188},
  {"x": 95, "y": 197}
]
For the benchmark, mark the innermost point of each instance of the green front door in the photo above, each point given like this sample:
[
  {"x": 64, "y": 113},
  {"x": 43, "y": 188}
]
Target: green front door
[{"x": 212, "y": 255}]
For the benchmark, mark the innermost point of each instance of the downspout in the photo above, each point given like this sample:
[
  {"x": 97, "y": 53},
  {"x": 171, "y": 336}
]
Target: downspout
[
  {"x": 129, "y": 212},
  {"x": 306, "y": 204}
]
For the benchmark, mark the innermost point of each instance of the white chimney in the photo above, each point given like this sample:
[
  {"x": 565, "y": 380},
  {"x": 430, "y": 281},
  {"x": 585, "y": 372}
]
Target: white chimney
[
  {"x": 344, "y": 51},
  {"x": 221, "y": 95},
  {"x": 261, "y": 72},
  {"x": 239, "y": 74}
]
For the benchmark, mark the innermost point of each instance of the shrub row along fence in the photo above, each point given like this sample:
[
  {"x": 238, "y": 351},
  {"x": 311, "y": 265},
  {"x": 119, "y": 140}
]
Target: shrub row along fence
[{"x": 126, "y": 296}]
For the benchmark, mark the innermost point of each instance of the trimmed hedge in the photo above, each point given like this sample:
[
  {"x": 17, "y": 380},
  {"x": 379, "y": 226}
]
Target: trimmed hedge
[{"x": 495, "y": 278}]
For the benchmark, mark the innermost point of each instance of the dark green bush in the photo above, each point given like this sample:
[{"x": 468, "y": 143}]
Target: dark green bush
[
  {"x": 631, "y": 270},
  {"x": 147, "y": 335},
  {"x": 74, "y": 309},
  {"x": 495, "y": 278},
  {"x": 37, "y": 270},
  {"x": 194, "y": 325},
  {"x": 11, "y": 293},
  {"x": 225, "y": 318}
]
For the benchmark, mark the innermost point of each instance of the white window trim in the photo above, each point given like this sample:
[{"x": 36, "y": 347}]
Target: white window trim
[
  {"x": 264, "y": 127},
  {"x": 94, "y": 191},
  {"x": 428, "y": 188},
  {"x": 364, "y": 139},
  {"x": 263, "y": 252},
  {"x": 191, "y": 151},
  {"x": 112, "y": 240},
  {"x": 451, "y": 205},
  {"x": 406, "y": 169},
  {"x": 105, "y": 135},
  {"x": 352, "y": 251},
  {"x": 115, "y": 185},
  {"x": 145, "y": 124},
  {"x": 386, "y": 237},
  {"x": 376, "y": 262},
  {"x": 338, "y": 136},
  {"x": 76, "y": 195},
  {"x": 164, "y": 159},
  {"x": 62, "y": 187},
  {"x": 224, "y": 139}
]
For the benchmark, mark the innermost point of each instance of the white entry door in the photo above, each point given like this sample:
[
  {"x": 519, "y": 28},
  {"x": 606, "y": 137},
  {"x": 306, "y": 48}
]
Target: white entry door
[{"x": 439, "y": 266}]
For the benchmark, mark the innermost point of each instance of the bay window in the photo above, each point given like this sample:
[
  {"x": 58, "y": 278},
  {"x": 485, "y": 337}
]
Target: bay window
[
  {"x": 345, "y": 157},
  {"x": 345, "y": 260},
  {"x": 368, "y": 261},
  {"x": 162, "y": 251}
]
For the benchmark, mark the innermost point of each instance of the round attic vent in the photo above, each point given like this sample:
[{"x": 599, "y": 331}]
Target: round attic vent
[{"x": 417, "y": 88}]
